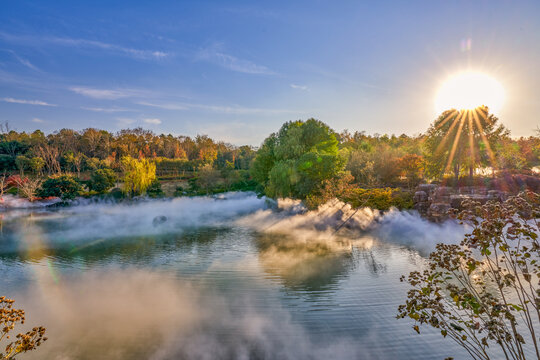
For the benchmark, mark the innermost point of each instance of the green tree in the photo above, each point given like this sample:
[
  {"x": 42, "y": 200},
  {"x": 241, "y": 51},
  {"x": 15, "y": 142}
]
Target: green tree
[
  {"x": 460, "y": 140},
  {"x": 138, "y": 175},
  {"x": 62, "y": 186},
  {"x": 102, "y": 180},
  {"x": 298, "y": 159},
  {"x": 37, "y": 164},
  {"x": 23, "y": 163}
]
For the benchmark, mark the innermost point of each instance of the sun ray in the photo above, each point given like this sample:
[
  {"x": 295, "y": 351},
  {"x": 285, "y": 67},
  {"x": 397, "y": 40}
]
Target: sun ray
[
  {"x": 456, "y": 141},
  {"x": 484, "y": 139},
  {"x": 447, "y": 135},
  {"x": 446, "y": 118},
  {"x": 471, "y": 136}
]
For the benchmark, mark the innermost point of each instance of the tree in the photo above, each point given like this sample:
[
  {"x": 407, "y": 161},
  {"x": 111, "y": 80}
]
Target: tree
[
  {"x": 298, "y": 159},
  {"x": 22, "y": 163},
  {"x": 26, "y": 186},
  {"x": 62, "y": 186},
  {"x": 75, "y": 161},
  {"x": 37, "y": 164},
  {"x": 9, "y": 317},
  {"x": 484, "y": 293},
  {"x": 208, "y": 177},
  {"x": 410, "y": 166},
  {"x": 138, "y": 175},
  {"x": 102, "y": 180},
  {"x": 461, "y": 139}
]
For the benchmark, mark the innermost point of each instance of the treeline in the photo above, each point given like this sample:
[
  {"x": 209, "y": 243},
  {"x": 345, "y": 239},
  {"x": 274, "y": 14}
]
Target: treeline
[
  {"x": 74, "y": 151},
  {"x": 304, "y": 159}
]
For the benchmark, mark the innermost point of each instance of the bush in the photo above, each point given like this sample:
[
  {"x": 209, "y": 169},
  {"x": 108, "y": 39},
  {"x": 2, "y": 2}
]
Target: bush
[
  {"x": 154, "y": 190},
  {"x": 102, "y": 180},
  {"x": 483, "y": 293},
  {"x": 62, "y": 186},
  {"x": 380, "y": 198}
]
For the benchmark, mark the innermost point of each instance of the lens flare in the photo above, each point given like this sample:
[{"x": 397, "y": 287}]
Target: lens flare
[{"x": 468, "y": 91}]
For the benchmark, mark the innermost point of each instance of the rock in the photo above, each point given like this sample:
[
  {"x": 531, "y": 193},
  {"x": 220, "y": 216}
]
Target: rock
[
  {"x": 420, "y": 196},
  {"x": 456, "y": 201},
  {"x": 158, "y": 220},
  {"x": 427, "y": 188},
  {"x": 438, "y": 211}
]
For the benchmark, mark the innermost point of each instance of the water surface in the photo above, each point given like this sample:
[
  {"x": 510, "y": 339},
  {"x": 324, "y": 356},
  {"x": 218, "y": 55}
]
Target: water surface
[{"x": 215, "y": 279}]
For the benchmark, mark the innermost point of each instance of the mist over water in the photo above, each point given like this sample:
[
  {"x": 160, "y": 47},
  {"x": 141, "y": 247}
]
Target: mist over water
[{"x": 227, "y": 278}]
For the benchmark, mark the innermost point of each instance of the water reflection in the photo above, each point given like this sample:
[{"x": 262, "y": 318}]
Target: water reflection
[{"x": 313, "y": 265}]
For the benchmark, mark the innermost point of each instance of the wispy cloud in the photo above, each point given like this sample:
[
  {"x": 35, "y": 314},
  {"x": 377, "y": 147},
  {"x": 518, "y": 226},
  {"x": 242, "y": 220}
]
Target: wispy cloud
[
  {"x": 234, "y": 109},
  {"x": 122, "y": 121},
  {"x": 38, "y": 120},
  {"x": 28, "y": 102},
  {"x": 299, "y": 87},
  {"x": 84, "y": 43},
  {"x": 214, "y": 55},
  {"x": 152, "y": 121},
  {"x": 106, "y": 110},
  {"x": 23, "y": 61},
  {"x": 105, "y": 94},
  {"x": 164, "y": 106}
]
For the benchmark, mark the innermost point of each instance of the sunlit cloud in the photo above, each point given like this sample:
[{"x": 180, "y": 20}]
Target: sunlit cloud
[
  {"x": 214, "y": 55},
  {"x": 152, "y": 121},
  {"x": 38, "y": 120},
  {"x": 28, "y": 102},
  {"x": 299, "y": 87}
]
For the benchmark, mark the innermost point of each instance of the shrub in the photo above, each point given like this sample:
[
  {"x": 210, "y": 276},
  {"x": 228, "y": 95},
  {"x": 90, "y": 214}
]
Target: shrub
[
  {"x": 102, "y": 180},
  {"x": 380, "y": 198},
  {"x": 154, "y": 190},
  {"x": 62, "y": 186},
  {"x": 483, "y": 293},
  {"x": 9, "y": 318}
]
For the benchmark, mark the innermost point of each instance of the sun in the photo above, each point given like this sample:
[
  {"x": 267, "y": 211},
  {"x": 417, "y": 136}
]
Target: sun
[{"x": 469, "y": 90}]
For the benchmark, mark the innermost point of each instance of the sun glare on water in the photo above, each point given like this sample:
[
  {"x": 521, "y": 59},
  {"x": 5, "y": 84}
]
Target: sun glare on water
[{"x": 467, "y": 91}]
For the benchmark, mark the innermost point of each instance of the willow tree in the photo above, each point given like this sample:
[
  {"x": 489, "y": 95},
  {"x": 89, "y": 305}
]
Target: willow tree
[
  {"x": 138, "y": 175},
  {"x": 461, "y": 140},
  {"x": 297, "y": 160}
]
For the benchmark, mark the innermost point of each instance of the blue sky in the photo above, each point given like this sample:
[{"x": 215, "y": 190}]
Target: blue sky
[{"x": 236, "y": 70}]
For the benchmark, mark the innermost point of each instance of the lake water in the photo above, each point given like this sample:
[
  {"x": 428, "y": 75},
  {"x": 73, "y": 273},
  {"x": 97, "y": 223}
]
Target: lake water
[{"x": 222, "y": 278}]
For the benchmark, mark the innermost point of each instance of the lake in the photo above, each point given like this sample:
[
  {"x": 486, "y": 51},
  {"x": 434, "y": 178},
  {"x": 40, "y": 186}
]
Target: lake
[{"x": 218, "y": 278}]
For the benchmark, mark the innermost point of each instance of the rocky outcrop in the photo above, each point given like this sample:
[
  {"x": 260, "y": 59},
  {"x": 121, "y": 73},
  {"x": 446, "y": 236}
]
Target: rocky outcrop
[{"x": 433, "y": 201}]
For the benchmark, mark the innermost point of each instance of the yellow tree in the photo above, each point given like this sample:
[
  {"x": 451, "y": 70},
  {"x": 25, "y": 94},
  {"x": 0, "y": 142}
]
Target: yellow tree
[{"x": 138, "y": 175}]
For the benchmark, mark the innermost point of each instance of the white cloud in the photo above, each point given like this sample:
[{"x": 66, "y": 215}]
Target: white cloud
[
  {"x": 215, "y": 56},
  {"x": 29, "y": 102},
  {"x": 299, "y": 87},
  {"x": 152, "y": 121},
  {"x": 234, "y": 109},
  {"x": 164, "y": 106},
  {"x": 105, "y": 110},
  {"x": 107, "y": 94},
  {"x": 23, "y": 61},
  {"x": 122, "y": 121},
  {"x": 37, "y": 120},
  {"x": 64, "y": 41}
]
